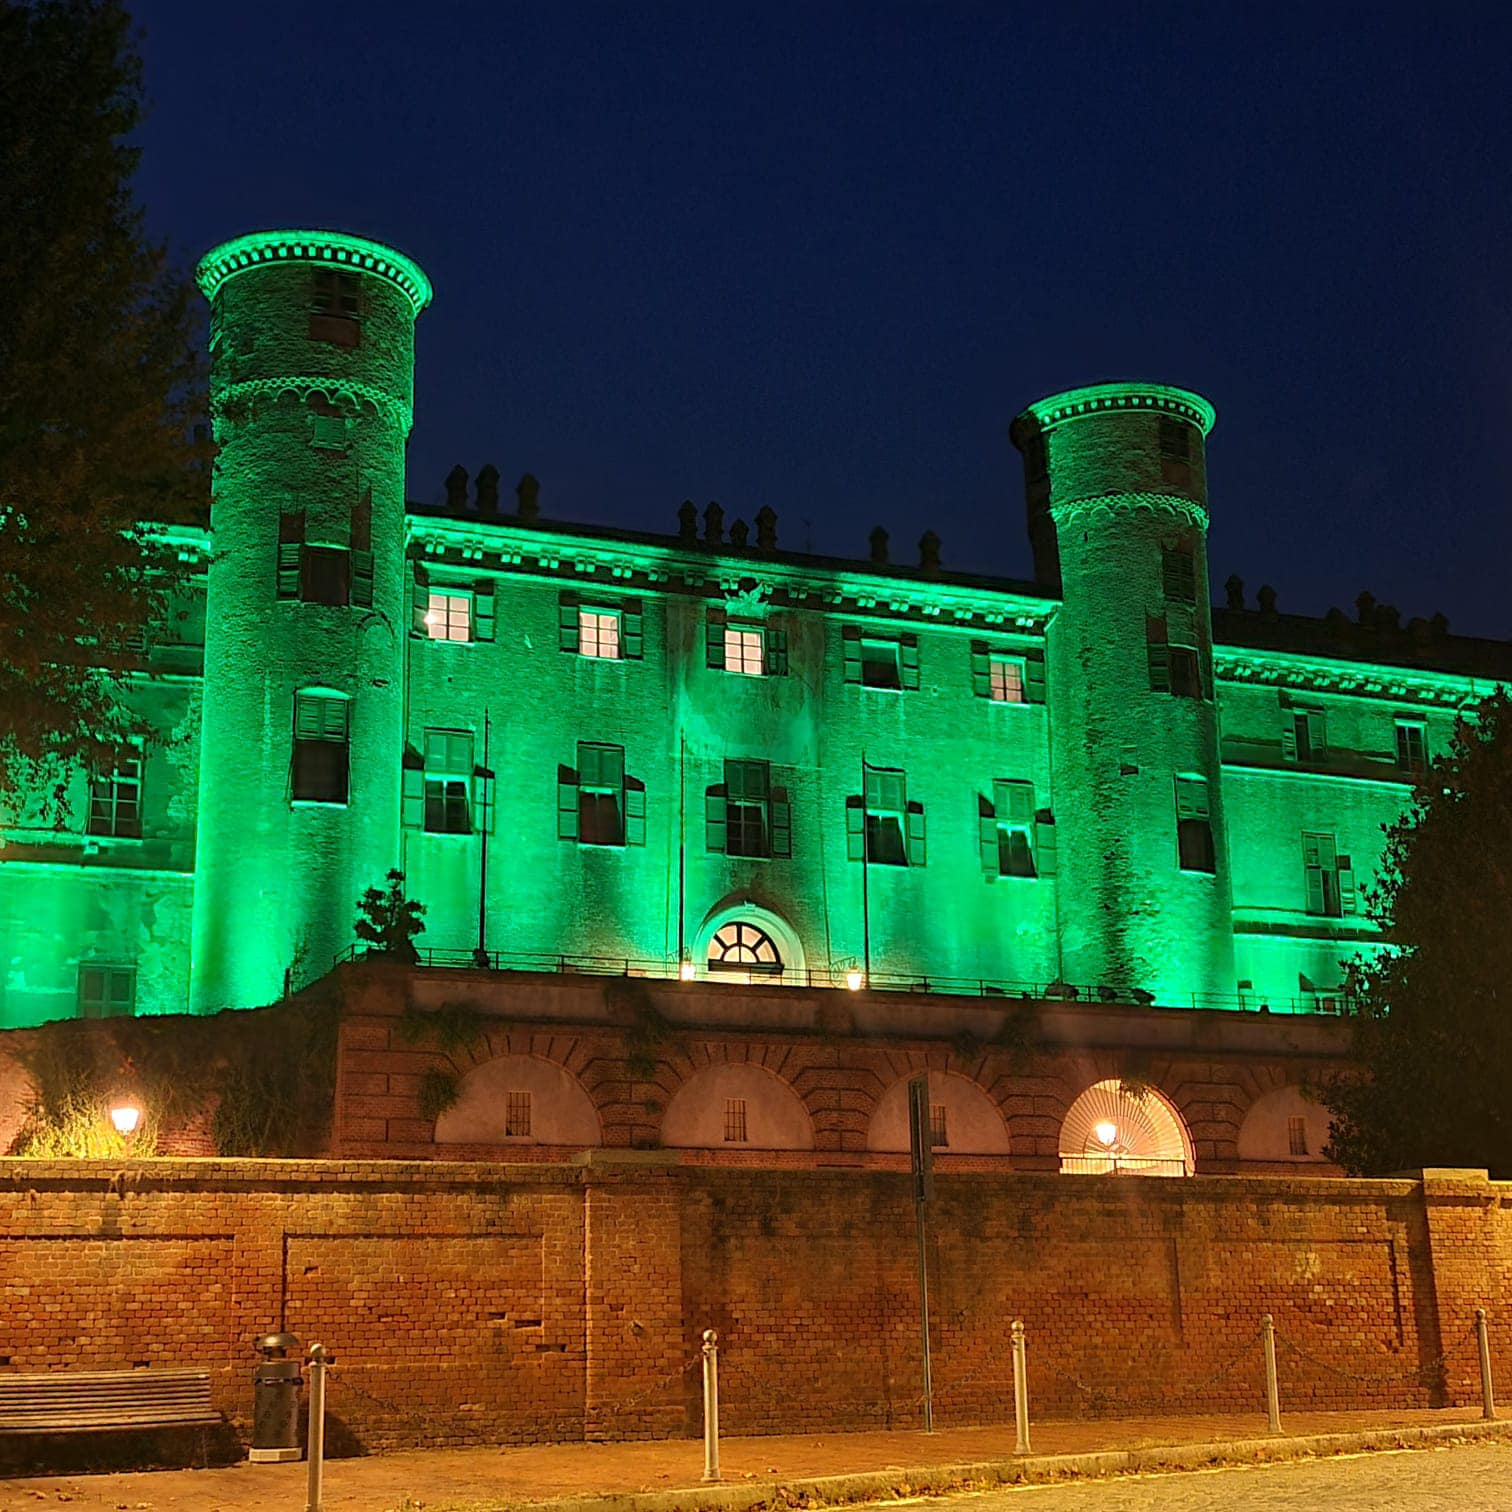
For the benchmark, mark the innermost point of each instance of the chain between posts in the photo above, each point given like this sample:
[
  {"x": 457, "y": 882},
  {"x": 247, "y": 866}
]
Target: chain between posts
[
  {"x": 1369, "y": 1376},
  {"x": 1111, "y": 1398}
]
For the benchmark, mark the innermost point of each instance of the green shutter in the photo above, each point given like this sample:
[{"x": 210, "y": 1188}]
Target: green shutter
[
  {"x": 782, "y": 823},
  {"x": 715, "y": 819},
  {"x": 1046, "y": 859},
  {"x": 567, "y": 622},
  {"x": 776, "y": 644},
  {"x": 414, "y": 795},
  {"x": 483, "y": 610},
  {"x": 714, "y": 639},
  {"x": 632, "y": 630},
  {"x": 908, "y": 660},
  {"x": 419, "y": 602},
  {"x": 855, "y": 830},
  {"x": 1314, "y": 882},
  {"x": 1014, "y": 802},
  {"x": 1160, "y": 667},
  {"x": 289, "y": 553},
  {"x": 635, "y": 812},
  {"x": 567, "y": 803},
  {"x": 1034, "y": 676},
  {"x": 1348, "y": 899},
  {"x": 362, "y": 579},
  {"x": 916, "y": 834},
  {"x": 850, "y": 638},
  {"x": 987, "y": 833},
  {"x": 981, "y": 670},
  {"x": 483, "y": 786}
]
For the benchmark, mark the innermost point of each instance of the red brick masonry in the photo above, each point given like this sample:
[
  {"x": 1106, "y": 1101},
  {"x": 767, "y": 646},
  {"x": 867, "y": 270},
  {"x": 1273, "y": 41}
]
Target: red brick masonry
[{"x": 483, "y": 1303}]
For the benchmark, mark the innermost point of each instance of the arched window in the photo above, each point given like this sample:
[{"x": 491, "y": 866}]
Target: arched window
[
  {"x": 1115, "y": 1129},
  {"x": 745, "y": 948}
]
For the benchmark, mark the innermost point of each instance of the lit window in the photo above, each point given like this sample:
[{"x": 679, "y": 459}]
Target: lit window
[
  {"x": 517, "y": 1115},
  {"x": 599, "y": 633},
  {"x": 1006, "y": 684},
  {"x": 448, "y": 616},
  {"x": 321, "y": 735},
  {"x": 448, "y": 782},
  {"x": 115, "y": 802},
  {"x": 938, "y": 1135},
  {"x": 1194, "y": 828},
  {"x": 107, "y": 991},
  {"x": 735, "y": 1120},
  {"x": 745, "y": 948},
  {"x": 1411, "y": 745},
  {"x": 1296, "y": 1135},
  {"x": 743, "y": 650}
]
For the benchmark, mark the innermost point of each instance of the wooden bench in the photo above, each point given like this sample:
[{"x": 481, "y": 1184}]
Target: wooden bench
[{"x": 67, "y": 1401}]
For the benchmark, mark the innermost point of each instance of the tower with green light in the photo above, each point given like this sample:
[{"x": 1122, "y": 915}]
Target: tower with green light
[{"x": 312, "y": 388}]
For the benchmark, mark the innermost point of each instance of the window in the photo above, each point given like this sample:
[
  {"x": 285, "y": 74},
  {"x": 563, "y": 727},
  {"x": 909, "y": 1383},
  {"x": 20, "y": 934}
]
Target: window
[
  {"x": 115, "y": 802},
  {"x": 882, "y": 826},
  {"x": 107, "y": 991},
  {"x": 317, "y": 574},
  {"x": 448, "y": 782},
  {"x": 1186, "y": 680},
  {"x": 1007, "y": 830},
  {"x": 1411, "y": 745},
  {"x": 939, "y": 1138},
  {"x": 1175, "y": 451},
  {"x": 597, "y": 804},
  {"x": 880, "y": 661},
  {"x": 324, "y": 575},
  {"x": 448, "y": 615},
  {"x": 1296, "y": 1135},
  {"x": 517, "y": 1115},
  {"x": 1006, "y": 679},
  {"x": 599, "y": 633},
  {"x": 1174, "y": 669},
  {"x": 746, "y": 815},
  {"x": 744, "y": 948},
  {"x": 328, "y": 432},
  {"x": 336, "y": 307},
  {"x": 743, "y": 650},
  {"x": 1194, "y": 829},
  {"x": 1328, "y": 877},
  {"x": 735, "y": 1120},
  {"x": 1302, "y": 734},
  {"x": 321, "y": 734},
  {"x": 1178, "y": 572}
]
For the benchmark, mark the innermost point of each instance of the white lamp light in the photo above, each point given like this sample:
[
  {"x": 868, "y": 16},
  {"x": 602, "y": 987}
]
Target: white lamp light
[
  {"x": 126, "y": 1117},
  {"x": 1106, "y": 1132},
  {"x": 853, "y": 979},
  {"x": 685, "y": 971}
]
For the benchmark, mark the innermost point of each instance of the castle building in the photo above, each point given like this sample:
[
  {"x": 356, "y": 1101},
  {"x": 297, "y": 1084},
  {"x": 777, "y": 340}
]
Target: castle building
[{"x": 702, "y": 756}]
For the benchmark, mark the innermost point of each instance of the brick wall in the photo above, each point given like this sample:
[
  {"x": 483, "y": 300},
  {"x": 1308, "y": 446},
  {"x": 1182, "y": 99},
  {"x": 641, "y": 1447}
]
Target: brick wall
[{"x": 470, "y": 1303}]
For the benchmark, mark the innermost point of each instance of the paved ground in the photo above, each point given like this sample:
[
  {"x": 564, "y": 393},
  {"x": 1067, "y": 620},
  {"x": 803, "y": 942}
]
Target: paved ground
[
  {"x": 540, "y": 1472},
  {"x": 1468, "y": 1479}
]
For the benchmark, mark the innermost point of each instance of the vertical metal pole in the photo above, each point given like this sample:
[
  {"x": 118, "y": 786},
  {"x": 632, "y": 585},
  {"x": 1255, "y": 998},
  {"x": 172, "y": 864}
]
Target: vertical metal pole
[
  {"x": 1020, "y": 1389},
  {"x": 317, "y": 1426},
  {"x": 1483, "y": 1336},
  {"x": 1272, "y": 1391},
  {"x": 482, "y": 954},
  {"x": 920, "y": 1209},
  {"x": 711, "y": 1404}
]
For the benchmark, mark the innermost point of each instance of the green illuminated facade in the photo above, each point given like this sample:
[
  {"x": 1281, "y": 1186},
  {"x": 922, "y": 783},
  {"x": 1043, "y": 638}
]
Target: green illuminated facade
[{"x": 700, "y": 753}]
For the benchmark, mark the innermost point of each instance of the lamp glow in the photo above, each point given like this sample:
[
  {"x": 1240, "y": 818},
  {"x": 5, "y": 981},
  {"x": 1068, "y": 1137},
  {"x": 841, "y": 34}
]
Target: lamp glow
[
  {"x": 1106, "y": 1132},
  {"x": 853, "y": 979},
  {"x": 126, "y": 1118},
  {"x": 685, "y": 971}
]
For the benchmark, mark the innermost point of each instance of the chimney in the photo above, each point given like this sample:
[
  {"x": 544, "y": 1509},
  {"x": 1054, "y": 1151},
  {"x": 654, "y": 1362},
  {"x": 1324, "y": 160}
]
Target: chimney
[
  {"x": 1233, "y": 591},
  {"x": 528, "y": 499},
  {"x": 878, "y": 539},
  {"x": 687, "y": 522},
  {"x": 713, "y": 524},
  {"x": 766, "y": 528},
  {"x": 487, "y": 489},
  {"x": 456, "y": 490},
  {"x": 740, "y": 533},
  {"x": 929, "y": 551}
]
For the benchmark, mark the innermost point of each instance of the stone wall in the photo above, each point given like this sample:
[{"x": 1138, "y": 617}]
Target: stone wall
[{"x": 471, "y": 1303}]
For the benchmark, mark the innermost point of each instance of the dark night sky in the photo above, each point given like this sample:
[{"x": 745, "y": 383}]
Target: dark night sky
[{"x": 818, "y": 255}]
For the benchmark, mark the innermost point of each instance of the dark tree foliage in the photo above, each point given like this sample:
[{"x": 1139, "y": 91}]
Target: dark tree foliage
[
  {"x": 100, "y": 384},
  {"x": 1434, "y": 1032},
  {"x": 388, "y": 921}
]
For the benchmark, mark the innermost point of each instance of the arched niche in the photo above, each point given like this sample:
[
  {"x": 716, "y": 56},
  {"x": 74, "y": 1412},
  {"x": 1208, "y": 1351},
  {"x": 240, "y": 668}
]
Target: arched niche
[
  {"x": 557, "y": 1110},
  {"x": 736, "y": 1107},
  {"x": 1283, "y": 1125},
  {"x": 1116, "y": 1130},
  {"x": 972, "y": 1124}
]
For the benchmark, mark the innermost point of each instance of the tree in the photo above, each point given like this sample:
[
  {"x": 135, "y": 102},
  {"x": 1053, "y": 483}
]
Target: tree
[
  {"x": 389, "y": 921},
  {"x": 100, "y": 383},
  {"x": 1434, "y": 1032}
]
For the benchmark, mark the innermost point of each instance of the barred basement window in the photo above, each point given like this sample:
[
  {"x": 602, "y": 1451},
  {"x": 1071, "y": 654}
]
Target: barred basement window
[
  {"x": 735, "y": 1120},
  {"x": 517, "y": 1115},
  {"x": 107, "y": 991},
  {"x": 322, "y": 732},
  {"x": 1296, "y": 1135},
  {"x": 938, "y": 1137},
  {"x": 115, "y": 802}
]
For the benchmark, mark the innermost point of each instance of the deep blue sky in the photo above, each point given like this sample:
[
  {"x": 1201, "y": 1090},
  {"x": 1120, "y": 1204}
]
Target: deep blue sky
[{"x": 817, "y": 256}]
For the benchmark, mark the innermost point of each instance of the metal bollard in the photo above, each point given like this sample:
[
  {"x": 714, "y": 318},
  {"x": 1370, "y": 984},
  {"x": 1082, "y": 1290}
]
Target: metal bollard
[
  {"x": 711, "y": 1404},
  {"x": 319, "y": 1359},
  {"x": 1483, "y": 1336},
  {"x": 1020, "y": 1389},
  {"x": 1272, "y": 1391}
]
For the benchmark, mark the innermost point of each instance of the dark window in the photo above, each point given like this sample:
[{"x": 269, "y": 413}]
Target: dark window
[
  {"x": 883, "y": 827},
  {"x": 448, "y": 782},
  {"x": 324, "y": 575},
  {"x": 1175, "y": 452},
  {"x": 336, "y": 307},
  {"x": 939, "y": 1136},
  {"x": 601, "y": 789},
  {"x": 880, "y": 664},
  {"x": 1296, "y": 1135},
  {"x": 517, "y": 1115},
  {"x": 115, "y": 802},
  {"x": 1411, "y": 745},
  {"x": 1186, "y": 676},
  {"x": 1012, "y": 823},
  {"x": 107, "y": 991},
  {"x": 735, "y": 1120},
  {"x": 321, "y": 736},
  {"x": 1304, "y": 737},
  {"x": 1328, "y": 877},
  {"x": 1178, "y": 573},
  {"x": 1194, "y": 828},
  {"x": 747, "y": 808}
]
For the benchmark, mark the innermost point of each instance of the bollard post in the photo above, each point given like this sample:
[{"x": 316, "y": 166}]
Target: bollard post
[
  {"x": 318, "y": 1361},
  {"x": 711, "y": 1404},
  {"x": 1483, "y": 1337},
  {"x": 1020, "y": 1390},
  {"x": 1272, "y": 1391}
]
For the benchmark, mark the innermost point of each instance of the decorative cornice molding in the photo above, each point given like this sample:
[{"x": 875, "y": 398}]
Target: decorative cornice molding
[
  {"x": 1102, "y": 398},
  {"x": 356, "y": 253},
  {"x": 224, "y": 396},
  {"x": 1106, "y": 506},
  {"x": 1358, "y": 679}
]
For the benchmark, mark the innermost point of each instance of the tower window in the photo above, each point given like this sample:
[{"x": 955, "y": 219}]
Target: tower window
[
  {"x": 1194, "y": 828},
  {"x": 328, "y": 432},
  {"x": 336, "y": 307},
  {"x": 517, "y": 1115},
  {"x": 1411, "y": 745},
  {"x": 1186, "y": 678},
  {"x": 735, "y": 1120},
  {"x": 1178, "y": 573},
  {"x": 322, "y": 733},
  {"x": 1174, "y": 669},
  {"x": 448, "y": 616},
  {"x": 107, "y": 991},
  {"x": 599, "y": 633},
  {"x": 1175, "y": 452},
  {"x": 115, "y": 801},
  {"x": 448, "y": 782},
  {"x": 744, "y": 651},
  {"x": 324, "y": 575}
]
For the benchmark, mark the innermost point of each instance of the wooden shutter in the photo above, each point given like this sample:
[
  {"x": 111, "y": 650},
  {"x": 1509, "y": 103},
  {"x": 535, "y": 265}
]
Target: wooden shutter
[
  {"x": 1348, "y": 895},
  {"x": 362, "y": 579},
  {"x": 1034, "y": 676},
  {"x": 1014, "y": 802},
  {"x": 1046, "y": 856},
  {"x": 782, "y": 823},
  {"x": 850, "y": 640},
  {"x": 632, "y": 630},
  {"x": 987, "y": 831},
  {"x": 715, "y": 818},
  {"x": 1288, "y": 734},
  {"x": 908, "y": 660},
  {"x": 567, "y": 622},
  {"x": 635, "y": 811},
  {"x": 419, "y": 602},
  {"x": 776, "y": 652},
  {"x": 915, "y": 820},
  {"x": 362, "y": 521},
  {"x": 483, "y": 610},
  {"x": 1317, "y": 858},
  {"x": 567, "y": 803},
  {"x": 981, "y": 670},
  {"x": 714, "y": 639},
  {"x": 289, "y": 554},
  {"x": 413, "y": 805},
  {"x": 1159, "y": 653},
  {"x": 855, "y": 830}
]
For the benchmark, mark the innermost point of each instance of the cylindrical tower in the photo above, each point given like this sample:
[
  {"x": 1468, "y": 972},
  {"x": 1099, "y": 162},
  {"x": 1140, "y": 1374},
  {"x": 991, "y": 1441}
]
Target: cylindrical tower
[
  {"x": 1117, "y": 495},
  {"x": 312, "y": 365}
]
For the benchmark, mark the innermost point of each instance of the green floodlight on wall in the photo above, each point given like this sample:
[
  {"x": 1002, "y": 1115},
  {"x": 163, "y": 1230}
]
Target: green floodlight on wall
[
  {"x": 1103, "y": 398},
  {"x": 354, "y": 253}
]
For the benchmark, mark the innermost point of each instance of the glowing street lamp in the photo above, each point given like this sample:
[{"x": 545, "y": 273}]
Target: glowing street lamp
[
  {"x": 1106, "y": 1132},
  {"x": 685, "y": 971},
  {"x": 125, "y": 1117},
  {"x": 853, "y": 979}
]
